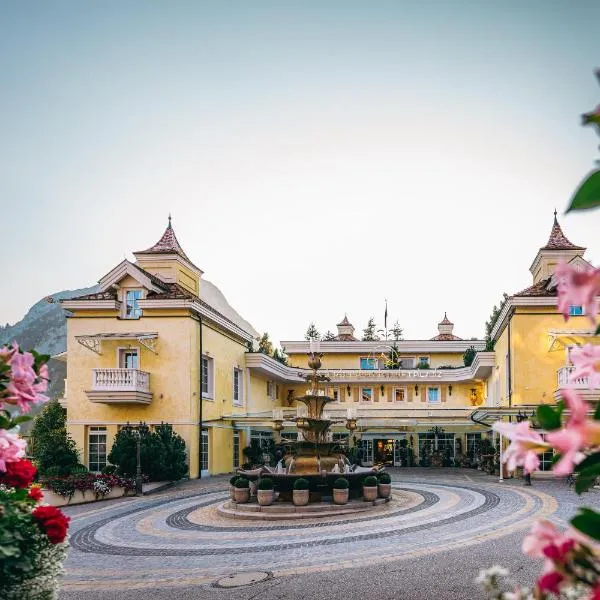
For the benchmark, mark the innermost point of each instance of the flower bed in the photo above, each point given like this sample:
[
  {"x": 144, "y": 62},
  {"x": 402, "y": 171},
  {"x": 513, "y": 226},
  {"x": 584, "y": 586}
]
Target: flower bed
[{"x": 77, "y": 489}]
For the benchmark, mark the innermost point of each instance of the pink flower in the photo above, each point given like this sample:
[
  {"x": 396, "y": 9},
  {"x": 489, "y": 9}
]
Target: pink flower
[
  {"x": 578, "y": 434},
  {"x": 543, "y": 533},
  {"x": 585, "y": 359},
  {"x": 578, "y": 287},
  {"x": 525, "y": 445},
  {"x": 12, "y": 448},
  {"x": 24, "y": 387}
]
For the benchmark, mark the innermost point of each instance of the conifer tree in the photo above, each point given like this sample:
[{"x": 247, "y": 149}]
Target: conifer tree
[
  {"x": 312, "y": 333},
  {"x": 369, "y": 334}
]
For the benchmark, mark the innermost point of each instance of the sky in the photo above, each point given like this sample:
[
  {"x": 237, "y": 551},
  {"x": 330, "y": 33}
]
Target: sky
[{"x": 317, "y": 158}]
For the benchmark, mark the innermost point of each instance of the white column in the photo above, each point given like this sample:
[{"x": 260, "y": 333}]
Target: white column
[{"x": 501, "y": 457}]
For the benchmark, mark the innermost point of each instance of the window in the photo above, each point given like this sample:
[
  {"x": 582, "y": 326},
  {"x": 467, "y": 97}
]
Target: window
[
  {"x": 444, "y": 443},
  {"x": 271, "y": 390},
  {"x": 473, "y": 440},
  {"x": 399, "y": 394},
  {"x": 366, "y": 394},
  {"x": 407, "y": 363},
  {"x": 433, "y": 394},
  {"x": 341, "y": 438},
  {"x": 204, "y": 461},
  {"x": 129, "y": 358},
  {"x": 132, "y": 307},
  {"x": 237, "y": 387},
  {"x": 368, "y": 364},
  {"x": 96, "y": 449},
  {"x": 335, "y": 394},
  {"x": 575, "y": 311},
  {"x": 236, "y": 449},
  {"x": 262, "y": 436},
  {"x": 207, "y": 377},
  {"x": 423, "y": 361},
  {"x": 289, "y": 436},
  {"x": 546, "y": 458}
]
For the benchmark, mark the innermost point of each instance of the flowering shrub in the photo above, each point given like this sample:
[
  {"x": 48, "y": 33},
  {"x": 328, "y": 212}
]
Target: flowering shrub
[
  {"x": 572, "y": 557},
  {"x": 100, "y": 485},
  {"x": 32, "y": 536}
]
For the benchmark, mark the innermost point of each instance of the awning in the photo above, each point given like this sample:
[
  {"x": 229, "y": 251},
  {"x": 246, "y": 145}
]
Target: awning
[
  {"x": 562, "y": 338},
  {"x": 94, "y": 342}
]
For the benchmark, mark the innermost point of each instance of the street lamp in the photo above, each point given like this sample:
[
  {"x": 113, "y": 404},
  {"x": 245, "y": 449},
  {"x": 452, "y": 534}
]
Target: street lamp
[{"x": 137, "y": 433}]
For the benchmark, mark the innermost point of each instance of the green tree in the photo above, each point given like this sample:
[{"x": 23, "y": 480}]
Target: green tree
[
  {"x": 469, "y": 356},
  {"x": 265, "y": 345},
  {"x": 328, "y": 336},
  {"x": 312, "y": 333},
  {"x": 51, "y": 446},
  {"x": 397, "y": 331},
  {"x": 489, "y": 324},
  {"x": 369, "y": 334},
  {"x": 393, "y": 358},
  {"x": 280, "y": 356}
]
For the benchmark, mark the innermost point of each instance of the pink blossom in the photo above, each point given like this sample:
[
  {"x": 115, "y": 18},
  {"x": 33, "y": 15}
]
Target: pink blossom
[
  {"x": 578, "y": 434},
  {"x": 578, "y": 287},
  {"x": 543, "y": 533},
  {"x": 585, "y": 359},
  {"x": 525, "y": 445},
  {"x": 12, "y": 448},
  {"x": 24, "y": 387}
]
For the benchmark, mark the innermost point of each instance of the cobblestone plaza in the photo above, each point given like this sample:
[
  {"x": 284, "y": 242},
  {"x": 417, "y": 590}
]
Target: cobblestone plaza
[{"x": 175, "y": 543}]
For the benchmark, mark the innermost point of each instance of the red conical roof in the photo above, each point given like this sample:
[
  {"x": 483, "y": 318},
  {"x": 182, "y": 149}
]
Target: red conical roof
[
  {"x": 445, "y": 321},
  {"x": 558, "y": 240},
  {"x": 167, "y": 244},
  {"x": 345, "y": 321}
]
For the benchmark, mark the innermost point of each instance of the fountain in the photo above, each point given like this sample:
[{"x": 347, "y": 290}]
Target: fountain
[{"x": 314, "y": 457}]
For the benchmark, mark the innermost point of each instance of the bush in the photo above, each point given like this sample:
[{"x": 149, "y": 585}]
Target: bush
[
  {"x": 370, "y": 481},
  {"x": 385, "y": 478},
  {"x": 301, "y": 484},
  {"x": 469, "y": 356},
  {"x": 233, "y": 480},
  {"x": 162, "y": 454},
  {"x": 53, "y": 471},
  {"x": 51, "y": 446},
  {"x": 79, "y": 469},
  {"x": 265, "y": 483},
  {"x": 241, "y": 483},
  {"x": 109, "y": 470},
  {"x": 341, "y": 483}
]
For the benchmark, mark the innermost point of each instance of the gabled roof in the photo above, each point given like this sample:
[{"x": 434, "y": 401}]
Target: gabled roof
[
  {"x": 541, "y": 288},
  {"x": 167, "y": 244},
  {"x": 558, "y": 240}
]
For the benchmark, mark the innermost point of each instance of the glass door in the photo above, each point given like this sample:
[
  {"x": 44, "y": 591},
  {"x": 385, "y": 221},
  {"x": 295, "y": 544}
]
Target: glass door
[
  {"x": 367, "y": 448},
  {"x": 397, "y": 454}
]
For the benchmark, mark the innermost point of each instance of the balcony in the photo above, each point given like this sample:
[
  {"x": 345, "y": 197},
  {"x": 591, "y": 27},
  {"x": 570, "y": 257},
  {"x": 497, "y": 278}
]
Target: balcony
[
  {"x": 581, "y": 384},
  {"x": 120, "y": 386}
]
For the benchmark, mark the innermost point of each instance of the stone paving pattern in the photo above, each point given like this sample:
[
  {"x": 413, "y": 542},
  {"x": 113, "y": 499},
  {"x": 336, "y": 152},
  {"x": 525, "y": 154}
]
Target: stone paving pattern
[{"x": 428, "y": 542}]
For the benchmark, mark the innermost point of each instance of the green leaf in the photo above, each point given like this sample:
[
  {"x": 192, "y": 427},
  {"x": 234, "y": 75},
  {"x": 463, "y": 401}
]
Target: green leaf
[
  {"x": 588, "y": 461},
  {"x": 548, "y": 418},
  {"x": 598, "y": 330},
  {"x": 587, "y": 194},
  {"x": 597, "y": 412},
  {"x": 583, "y": 484},
  {"x": 21, "y": 419},
  {"x": 588, "y": 522}
]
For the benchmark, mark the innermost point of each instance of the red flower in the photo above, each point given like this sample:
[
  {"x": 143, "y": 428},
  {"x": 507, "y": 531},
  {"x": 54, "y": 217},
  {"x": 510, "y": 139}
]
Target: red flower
[
  {"x": 550, "y": 582},
  {"x": 52, "y": 522},
  {"x": 35, "y": 493},
  {"x": 18, "y": 474}
]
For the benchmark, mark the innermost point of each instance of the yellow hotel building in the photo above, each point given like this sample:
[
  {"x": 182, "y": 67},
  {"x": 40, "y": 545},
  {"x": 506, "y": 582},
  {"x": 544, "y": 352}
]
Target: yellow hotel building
[{"x": 158, "y": 343}]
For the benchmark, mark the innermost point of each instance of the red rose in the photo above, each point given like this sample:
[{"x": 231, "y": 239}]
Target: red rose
[
  {"x": 18, "y": 474},
  {"x": 52, "y": 522},
  {"x": 35, "y": 493}
]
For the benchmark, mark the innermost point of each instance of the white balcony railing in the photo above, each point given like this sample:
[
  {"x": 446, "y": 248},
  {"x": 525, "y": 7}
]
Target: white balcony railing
[
  {"x": 120, "y": 380},
  {"x": 564, "y": 378}
]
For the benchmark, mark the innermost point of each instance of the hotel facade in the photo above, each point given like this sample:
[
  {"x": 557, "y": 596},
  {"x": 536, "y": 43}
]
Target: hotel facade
[{"x": 159, "y": 343}]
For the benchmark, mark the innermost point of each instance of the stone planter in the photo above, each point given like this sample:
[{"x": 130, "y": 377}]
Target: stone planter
[
  {"x": 265, "y": 497},
  {"x": 340, "y": 496},
  {"x": 242, "y": 495},
  {"x": 385, "y": 490},
  {"x": 300, "y": 497},
  {"x": 370, "y": 493},
  {"x": 54, "y": 499}
]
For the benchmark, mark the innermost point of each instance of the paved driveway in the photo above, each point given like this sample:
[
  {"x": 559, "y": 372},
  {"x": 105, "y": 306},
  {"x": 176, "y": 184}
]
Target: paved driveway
[{"x": 429, "y": 542}]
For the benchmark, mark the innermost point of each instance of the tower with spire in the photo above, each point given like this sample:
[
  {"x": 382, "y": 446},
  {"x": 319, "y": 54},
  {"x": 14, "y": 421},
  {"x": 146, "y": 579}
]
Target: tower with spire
[
  {"x": 557, "y": 249},
  {"x": 445, "y": 331},
  {"x": 167, "y": 260}
]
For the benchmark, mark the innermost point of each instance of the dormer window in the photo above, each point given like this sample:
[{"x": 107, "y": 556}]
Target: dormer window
[{"x": 132, "y": 307}]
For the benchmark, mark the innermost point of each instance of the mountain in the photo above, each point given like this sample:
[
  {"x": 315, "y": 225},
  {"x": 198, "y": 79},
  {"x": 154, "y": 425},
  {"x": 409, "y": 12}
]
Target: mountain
[{"x": 44, "y": 329}]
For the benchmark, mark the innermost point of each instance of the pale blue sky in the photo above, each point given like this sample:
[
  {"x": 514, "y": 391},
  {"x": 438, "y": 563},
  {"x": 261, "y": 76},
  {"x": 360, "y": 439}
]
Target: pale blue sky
[{"x": 317, "y": 157}]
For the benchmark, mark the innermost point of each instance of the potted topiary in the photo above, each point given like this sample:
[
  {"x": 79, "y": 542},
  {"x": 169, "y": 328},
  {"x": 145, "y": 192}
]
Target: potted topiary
[
  {"x": 301, "y": 492},
  {"x": 232, "y": 486},
  {"x": 242, "y": 490},
  {"x": 384, "y": 485},
  {"x": 370, "y": 488},
  {"x": 265, "y": 491},
  {"x": 340, "y": 490}
]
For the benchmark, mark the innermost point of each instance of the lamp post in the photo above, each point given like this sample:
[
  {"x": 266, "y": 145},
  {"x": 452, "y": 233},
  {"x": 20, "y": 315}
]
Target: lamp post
[{"x": 137, "y": 433}]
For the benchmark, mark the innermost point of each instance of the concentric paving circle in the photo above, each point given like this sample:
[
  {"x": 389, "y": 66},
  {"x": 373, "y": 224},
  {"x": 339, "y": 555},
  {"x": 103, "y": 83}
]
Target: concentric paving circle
[{"x": 184, "y": 540}]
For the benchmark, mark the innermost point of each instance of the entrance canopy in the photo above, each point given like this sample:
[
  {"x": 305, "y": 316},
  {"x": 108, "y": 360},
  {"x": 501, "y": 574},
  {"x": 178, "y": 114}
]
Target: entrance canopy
[{"x": 94, "y": 342}]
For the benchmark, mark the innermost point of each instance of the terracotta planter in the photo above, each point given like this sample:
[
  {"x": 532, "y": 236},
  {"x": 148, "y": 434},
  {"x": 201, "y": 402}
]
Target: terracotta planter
[
  {"x": 370, "y": 493},
  {"x": 300, "y": 497},
  {"x": 340, "y": 496},
  {"x": 385, "y": 490},
  {"x": 242, "y": 495},
  {"x": 265, "y": 497}
]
